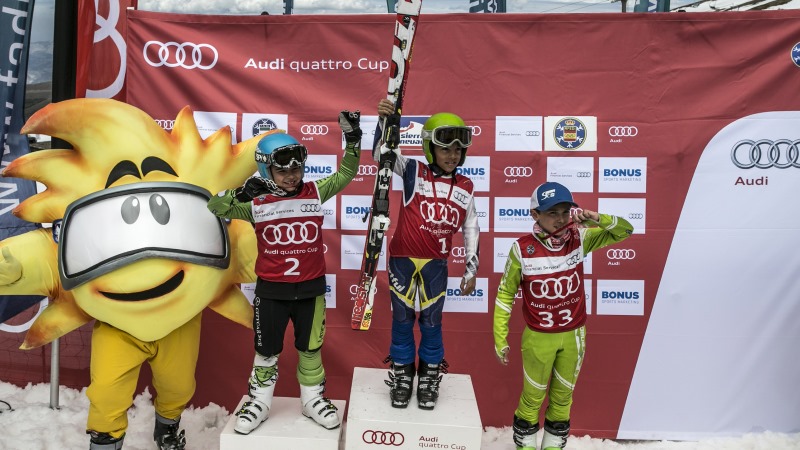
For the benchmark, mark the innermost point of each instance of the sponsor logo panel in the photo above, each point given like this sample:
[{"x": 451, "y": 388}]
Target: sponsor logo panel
[
  {"x": 518, "y": 133},
  {"x": 354, "y": 209},
  {"x": 330, "y": 290},
  {"x": 570, "y": 133},
  {"x": 587, "y": 290},
  {"x": 502, "y": 247},
  {"x": 576, "y": 172},
  {"x": 623, "y": 175},
  {"x": 476, "y": 302},
  {"x": 512, "y": 214},
  {"x": 254, "y": 124},
  {"x": 352, "y": 252},
  {"x": 477, "y": 169},
  {"x": 630, "y": 209},
  {"x": 209, "y": 122},
  {"x": 620, "y": 297},
  {"x": 482, "y": 210},
  {"x": 319, "y": 166}
]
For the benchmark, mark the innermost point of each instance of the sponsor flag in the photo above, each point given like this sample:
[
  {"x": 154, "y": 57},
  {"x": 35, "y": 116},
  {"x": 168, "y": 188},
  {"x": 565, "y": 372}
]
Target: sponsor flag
[
  {"x": 651, "y": 6},
  {"x": 15, "y": 26},
  {"x": 100, "y": 68},
  {"x": 487, "y": 6}
]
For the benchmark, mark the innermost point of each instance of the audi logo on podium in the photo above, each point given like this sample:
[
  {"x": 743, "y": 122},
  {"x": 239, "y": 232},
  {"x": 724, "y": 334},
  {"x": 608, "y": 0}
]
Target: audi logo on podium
[
  {"x": 459, "y": 252},
  {"x": 383, "y": 438}
]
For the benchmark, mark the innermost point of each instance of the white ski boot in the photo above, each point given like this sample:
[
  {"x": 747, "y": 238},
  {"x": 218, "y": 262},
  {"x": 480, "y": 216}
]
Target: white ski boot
[
  {"x": 555, "y": 435},
  {"x": 261, "y": 388},
  {"x": 319, "y": 407},
  {"x": 525, "y": 434}
]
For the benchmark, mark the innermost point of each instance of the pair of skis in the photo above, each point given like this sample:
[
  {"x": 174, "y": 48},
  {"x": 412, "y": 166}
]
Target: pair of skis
[{"x": 405, "y": 28}]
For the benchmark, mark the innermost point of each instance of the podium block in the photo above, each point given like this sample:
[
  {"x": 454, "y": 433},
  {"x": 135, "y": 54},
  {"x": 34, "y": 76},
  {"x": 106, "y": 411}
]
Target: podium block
[
  {"x": 372, "y": 422},
  {"x": 286, "y": 429}
]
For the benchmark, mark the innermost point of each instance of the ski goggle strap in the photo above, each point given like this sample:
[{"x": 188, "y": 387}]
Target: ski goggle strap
[
  {"x": 446, "y": 136},
  {"x": 284, "y": 157}
]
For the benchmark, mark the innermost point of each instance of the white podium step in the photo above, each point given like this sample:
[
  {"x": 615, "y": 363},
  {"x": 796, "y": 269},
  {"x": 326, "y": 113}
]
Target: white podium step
[
  {"x": 372, "y": 422},
  {"x": 286, "y": 429}
]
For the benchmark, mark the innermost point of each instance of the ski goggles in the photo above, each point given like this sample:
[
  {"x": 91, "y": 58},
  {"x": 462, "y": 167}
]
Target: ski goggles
[
  {"x": 446, "y": 136},
  {"x": 284, "y": 157},
  {"x": 112, "y": 228}
]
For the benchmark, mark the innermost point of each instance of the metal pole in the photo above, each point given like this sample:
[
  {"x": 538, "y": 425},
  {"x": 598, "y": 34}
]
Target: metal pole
[
  {"x": 65, "y": 55},
  {"x": 54, "y": 372}
]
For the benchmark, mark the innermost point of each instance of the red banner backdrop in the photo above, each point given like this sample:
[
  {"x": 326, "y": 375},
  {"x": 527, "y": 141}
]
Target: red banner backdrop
[
  {"x": 651, "y": 92},
  {"x": 619, "y": 107}
]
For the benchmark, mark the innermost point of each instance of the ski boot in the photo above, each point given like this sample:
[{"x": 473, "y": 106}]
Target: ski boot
[
  {"x": 166, "y": 434},
  {"x": 401, "y": 382},
  {"x": 319, "y": 407},
  {"x": 261, "y": 389},
  {"x": 555, "y": 435},
  {"x": 525, "y": 434},
  {"x": 428, "y": 383},
  {"x": 104, "y": 441}
]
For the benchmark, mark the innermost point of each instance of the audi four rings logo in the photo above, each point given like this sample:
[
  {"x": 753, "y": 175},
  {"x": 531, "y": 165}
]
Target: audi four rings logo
[
  {"x": 353, "y": 289},
  {"x": 620, "y": 253},
  {"x": 553, "y": 288},
  {"x": 383, "y": 438},
  {"x": 460, "y": 197},
  {"x": 635, "y": 216},
  {"x": 476, "y": 130},
  {"x": 459, "y": 252},
  {"x": 584, "y": 174},
  {"x": 291, "y": 233},
  {"x": 618, "y": 131},
  {"x": 481, "y": 213},
  {"x": 187, "y": 55},
  {"x": 764, "y": 154},
  {"x": 532, "y": 133},
  {"x": 313, "y": 129},
  {"x": 367, "y": 170},
  {"x": 310, "y": 207},
  {"x": 518, "y": 171},
  {"x": 439, "y": 213}
]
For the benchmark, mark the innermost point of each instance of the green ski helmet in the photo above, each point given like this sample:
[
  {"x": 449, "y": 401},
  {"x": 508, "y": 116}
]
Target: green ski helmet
[{"x": 443, "y": 129}]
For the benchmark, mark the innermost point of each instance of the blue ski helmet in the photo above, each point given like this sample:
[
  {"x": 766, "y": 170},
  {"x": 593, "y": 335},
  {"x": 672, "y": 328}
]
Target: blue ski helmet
[{"x": 280, "y": 150}]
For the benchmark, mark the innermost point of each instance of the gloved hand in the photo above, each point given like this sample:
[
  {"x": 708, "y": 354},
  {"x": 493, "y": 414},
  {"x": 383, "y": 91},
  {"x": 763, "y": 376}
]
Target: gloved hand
[
  {"x": 10, "y": 268},
  {"x": 502, "y": 355},
  {"x": 350, "y": 124},
  {"x": 254, "y": 186}
]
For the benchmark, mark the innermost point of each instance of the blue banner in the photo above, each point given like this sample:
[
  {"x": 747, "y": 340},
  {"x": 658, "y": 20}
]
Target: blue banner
[
  {"x": 15, "y": 28},
  {"x": 487, "y": 6}
]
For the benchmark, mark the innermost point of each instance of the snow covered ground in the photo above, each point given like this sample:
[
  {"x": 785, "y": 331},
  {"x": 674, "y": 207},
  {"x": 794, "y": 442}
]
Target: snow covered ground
[{"x": 32, "y": 425}]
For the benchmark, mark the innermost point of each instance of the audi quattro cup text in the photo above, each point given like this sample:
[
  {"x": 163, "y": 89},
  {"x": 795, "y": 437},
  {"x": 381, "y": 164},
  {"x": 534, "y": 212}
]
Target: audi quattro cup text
[
  {"x": 560, "y": 305},
  {"x": 433, "y": 442},
  {"x": 322, "y": 64}
]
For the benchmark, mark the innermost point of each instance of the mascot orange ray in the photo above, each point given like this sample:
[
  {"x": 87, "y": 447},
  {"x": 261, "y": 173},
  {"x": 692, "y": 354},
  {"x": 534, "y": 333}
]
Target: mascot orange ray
[{"x": 134, "y": 247}]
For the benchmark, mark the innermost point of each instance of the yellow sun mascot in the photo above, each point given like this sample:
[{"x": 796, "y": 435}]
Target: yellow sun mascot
[{"x": 135, "y": 248}]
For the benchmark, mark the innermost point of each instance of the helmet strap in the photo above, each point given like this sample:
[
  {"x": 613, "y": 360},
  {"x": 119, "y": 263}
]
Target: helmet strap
[{"x": 438, "y": 171}]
